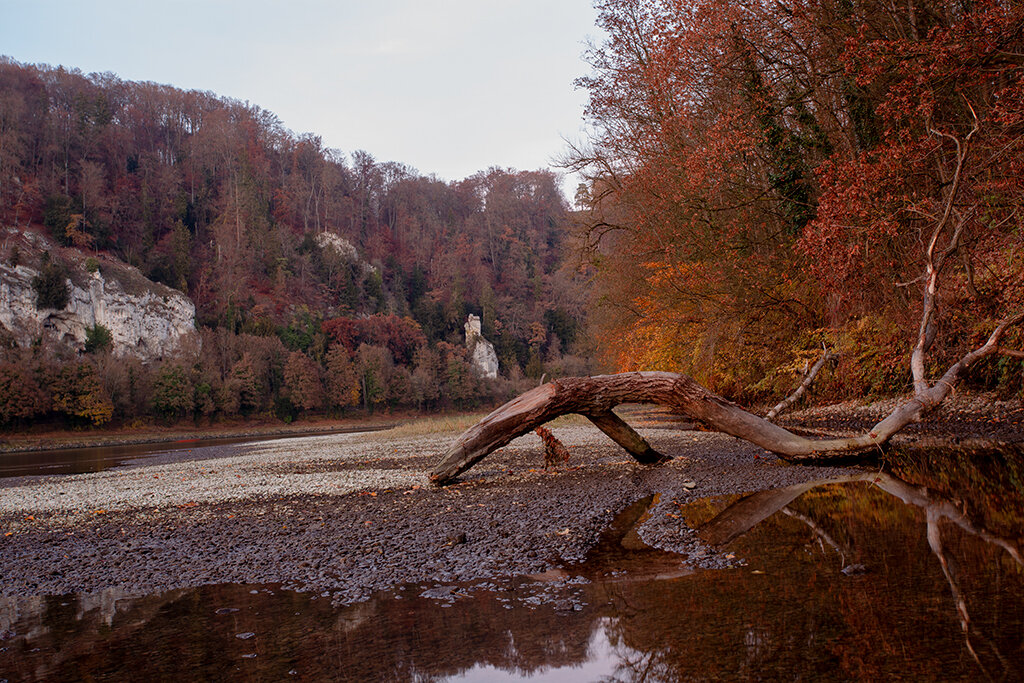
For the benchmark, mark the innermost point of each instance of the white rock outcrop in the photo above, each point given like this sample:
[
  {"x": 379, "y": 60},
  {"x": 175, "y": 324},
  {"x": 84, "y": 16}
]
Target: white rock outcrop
[
  {"x": 337, "y": 244},
  {"x": 145, "y": 319},
  {"x": 482, "y": 355}
]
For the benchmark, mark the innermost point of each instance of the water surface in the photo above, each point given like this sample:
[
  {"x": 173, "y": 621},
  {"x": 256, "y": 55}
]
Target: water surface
[
  {"x": 100, "y": 458},
  {"x": 866, "y": 580}
]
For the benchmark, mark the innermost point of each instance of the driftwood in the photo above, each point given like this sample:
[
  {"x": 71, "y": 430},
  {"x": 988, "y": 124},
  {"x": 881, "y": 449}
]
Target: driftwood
[{"x": 594, "y": 398}]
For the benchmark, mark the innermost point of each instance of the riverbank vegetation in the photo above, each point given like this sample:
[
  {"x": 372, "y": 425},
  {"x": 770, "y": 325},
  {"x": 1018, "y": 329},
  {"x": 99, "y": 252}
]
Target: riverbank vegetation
[
  {"x": 322, "y": 281},
  {"x": 765, "y": 180},
  {"x": 764, "y": 185}
]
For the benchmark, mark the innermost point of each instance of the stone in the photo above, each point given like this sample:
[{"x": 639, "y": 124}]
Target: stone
[
  {"x": 483, "y": 358},
  {"x": 341, "y": 247},
  {"x": 145, "y": 319}
]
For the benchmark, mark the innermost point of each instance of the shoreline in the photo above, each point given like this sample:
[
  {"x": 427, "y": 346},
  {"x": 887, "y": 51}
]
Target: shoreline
[
  {"x": 351, "y": 514},
  {"x": 348, "y": 514},
  {"x": 150, "y": 434},
  {"x": 975, "y": 416}
]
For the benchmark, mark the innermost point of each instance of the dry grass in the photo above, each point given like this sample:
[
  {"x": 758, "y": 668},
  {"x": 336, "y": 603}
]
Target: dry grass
[
  {"x": 456, "y": 424},
  {"x": 453, "y": 424},
  {"x": 571, "y": 420}
]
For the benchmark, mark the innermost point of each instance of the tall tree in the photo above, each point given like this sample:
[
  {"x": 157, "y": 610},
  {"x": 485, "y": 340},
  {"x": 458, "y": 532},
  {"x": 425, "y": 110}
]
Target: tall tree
[{"x": 772, "y": 170}]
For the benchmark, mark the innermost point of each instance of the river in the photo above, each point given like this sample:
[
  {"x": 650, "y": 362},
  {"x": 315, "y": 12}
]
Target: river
[
  {"x": 912, "y": 573},
  {"x": 99, "y": 458}
]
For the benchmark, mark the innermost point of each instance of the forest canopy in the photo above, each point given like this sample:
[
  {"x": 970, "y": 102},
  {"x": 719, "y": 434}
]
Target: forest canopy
[
  {"x": 285, "y": 246},
  {"x": 784, "y": 176},
  {"x": 765, "y": 184}
]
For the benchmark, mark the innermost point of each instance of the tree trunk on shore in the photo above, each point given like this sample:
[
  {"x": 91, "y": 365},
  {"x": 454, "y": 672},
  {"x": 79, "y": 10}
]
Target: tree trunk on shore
[{"x": 594, "y": 398}]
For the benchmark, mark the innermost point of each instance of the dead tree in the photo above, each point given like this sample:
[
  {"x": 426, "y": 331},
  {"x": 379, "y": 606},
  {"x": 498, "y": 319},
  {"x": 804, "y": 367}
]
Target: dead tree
[
  {"x": 594, "y": 398},
  {"x": 808, "y": 379}
]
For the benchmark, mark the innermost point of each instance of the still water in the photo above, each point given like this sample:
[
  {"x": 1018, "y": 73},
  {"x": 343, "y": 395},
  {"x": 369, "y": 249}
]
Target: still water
[
  {"x": 900, "y": 575},
  {"x": 99, "y": 458}
]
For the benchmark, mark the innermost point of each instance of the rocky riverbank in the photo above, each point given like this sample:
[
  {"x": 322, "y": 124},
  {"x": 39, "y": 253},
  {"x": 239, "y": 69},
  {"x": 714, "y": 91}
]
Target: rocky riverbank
[{"x": 349, "y": 514}]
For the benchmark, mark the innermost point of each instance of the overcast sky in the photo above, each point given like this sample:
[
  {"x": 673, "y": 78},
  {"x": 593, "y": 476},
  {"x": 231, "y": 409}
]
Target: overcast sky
[{"x": 448, "y": 87}]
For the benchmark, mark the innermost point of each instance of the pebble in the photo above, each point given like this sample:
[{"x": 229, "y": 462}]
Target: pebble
[{"x": 312, "y": 485}]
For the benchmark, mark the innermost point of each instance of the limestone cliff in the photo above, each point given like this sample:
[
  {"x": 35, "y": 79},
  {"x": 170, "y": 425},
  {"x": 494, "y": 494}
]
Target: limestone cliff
[
  {"x": 341, "y": 247},
  {"x": 482, "y": 354},
  {"x": 145, "y": 319}
]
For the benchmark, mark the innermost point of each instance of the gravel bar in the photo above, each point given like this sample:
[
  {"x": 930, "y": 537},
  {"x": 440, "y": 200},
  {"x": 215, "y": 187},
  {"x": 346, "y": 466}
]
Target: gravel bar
[{"x": 346, "y": 515}]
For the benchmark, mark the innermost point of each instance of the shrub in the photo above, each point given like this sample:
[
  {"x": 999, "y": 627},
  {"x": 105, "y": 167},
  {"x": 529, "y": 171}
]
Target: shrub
[
  {"x": 51, "y": 286},
  {"x": 302, "y": 382},
  {"x": 77, "y": 393},
  {"x": 57, "y": 214},
  {"x": 244, "y": 386},
  {"x": 342, "y": 379},
  {"x": 173, "y": 393},
  {"x": 97, "y": 338},
  {"x": 20, "y": 395}
]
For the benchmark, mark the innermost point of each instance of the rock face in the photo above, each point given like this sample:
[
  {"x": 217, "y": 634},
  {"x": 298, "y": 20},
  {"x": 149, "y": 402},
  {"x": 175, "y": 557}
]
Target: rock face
[
  {"x": 328, "y": 241},
  {"x": 483, "y": 357},
  {"x": 145, "y": 319},
  {"x": 338, "y": 244}
]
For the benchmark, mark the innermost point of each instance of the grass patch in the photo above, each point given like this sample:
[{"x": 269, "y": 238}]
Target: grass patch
[
  {"x": 453, "y": 424},
  {"x": 570, "y": 420},
  {"x": 456, "y": 424}
]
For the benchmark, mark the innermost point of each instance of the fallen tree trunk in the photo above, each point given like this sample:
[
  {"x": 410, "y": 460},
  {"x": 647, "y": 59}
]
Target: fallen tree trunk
[{"x": 594, "y": 398}]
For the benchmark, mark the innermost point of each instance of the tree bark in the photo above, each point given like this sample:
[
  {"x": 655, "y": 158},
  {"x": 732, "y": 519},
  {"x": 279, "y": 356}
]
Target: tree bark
[{"x": 624, "y": 435}]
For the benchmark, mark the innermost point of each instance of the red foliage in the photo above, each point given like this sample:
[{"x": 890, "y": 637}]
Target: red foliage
[
  {"x": 555, "y": 451},
  {"x": 21, "y": 397},
  {"x": 760, "y": 171},
  {"x": 401, "y": 336}
]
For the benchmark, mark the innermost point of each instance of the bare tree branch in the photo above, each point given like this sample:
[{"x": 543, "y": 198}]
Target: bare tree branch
[{"x": 808, "y": 379}]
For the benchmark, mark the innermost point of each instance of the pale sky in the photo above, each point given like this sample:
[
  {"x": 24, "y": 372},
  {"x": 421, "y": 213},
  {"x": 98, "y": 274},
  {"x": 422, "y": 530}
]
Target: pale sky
[{"x": 447, "y": 87}]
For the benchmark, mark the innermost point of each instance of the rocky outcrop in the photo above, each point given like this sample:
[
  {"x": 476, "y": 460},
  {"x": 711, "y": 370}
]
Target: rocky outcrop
[
  {"x": 145, "y": 319},
  {"x": 338, "y": 245},
  {"x": 482, "y": 354}
]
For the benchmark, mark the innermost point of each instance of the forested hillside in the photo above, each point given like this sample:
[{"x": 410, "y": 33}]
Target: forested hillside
[
  {"x": 764, "y": 184},
  {"x": 767, "y": 178},
  {"x": 285, "y": 247}
]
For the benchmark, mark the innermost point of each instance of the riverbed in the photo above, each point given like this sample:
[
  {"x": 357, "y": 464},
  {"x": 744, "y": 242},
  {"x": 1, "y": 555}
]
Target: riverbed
[{"x": 330, "y": 557}]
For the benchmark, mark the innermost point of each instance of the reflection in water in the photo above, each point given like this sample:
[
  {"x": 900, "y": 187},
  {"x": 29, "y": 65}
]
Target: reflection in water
[
  {"x": 869, "y": 577},
  {"x": 740, "y": 516}
]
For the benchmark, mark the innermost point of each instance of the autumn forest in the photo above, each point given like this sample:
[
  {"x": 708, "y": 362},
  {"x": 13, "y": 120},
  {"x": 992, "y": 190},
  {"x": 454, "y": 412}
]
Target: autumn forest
[
  {"x": 321, "y": 282},
  {"x": 763, "y": 183}
]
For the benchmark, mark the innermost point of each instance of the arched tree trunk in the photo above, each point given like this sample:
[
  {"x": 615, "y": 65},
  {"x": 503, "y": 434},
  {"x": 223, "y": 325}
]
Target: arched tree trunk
[{"x": 594, "y": 398}]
